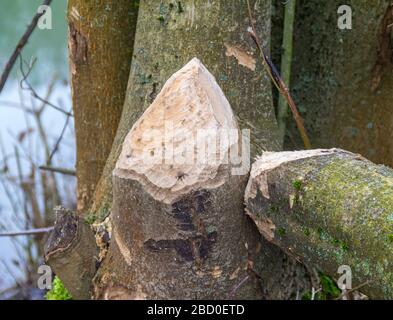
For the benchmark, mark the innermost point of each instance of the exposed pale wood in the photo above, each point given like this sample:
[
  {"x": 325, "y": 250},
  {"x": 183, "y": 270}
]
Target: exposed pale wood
[{"x": 167, "y": 150}]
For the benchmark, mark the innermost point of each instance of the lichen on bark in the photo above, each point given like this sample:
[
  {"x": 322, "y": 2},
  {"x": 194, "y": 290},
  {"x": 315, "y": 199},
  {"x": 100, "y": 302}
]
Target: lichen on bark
[{"x": 333, "y": 79}]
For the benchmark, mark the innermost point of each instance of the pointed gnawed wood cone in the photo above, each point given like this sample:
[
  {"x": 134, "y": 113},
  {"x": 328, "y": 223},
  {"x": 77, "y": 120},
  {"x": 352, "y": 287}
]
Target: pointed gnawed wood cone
[{"x": 179, "y": 231}]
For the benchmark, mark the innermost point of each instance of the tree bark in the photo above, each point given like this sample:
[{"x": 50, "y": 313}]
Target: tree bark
[
  {"x": 327, "y": 208},
  {"x": 101, "y": 37},
  {"x": 169, "y": 34},
  {"x": 343, "y": 80}
]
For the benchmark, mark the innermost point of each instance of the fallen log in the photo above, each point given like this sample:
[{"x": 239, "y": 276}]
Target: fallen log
[{"x": 327, "y": 208}]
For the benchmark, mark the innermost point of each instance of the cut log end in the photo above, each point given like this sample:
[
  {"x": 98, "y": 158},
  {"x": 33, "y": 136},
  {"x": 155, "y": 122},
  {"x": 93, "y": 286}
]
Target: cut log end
[
  {"x": 64, "y": 232},
  {"x": 72, "y": 253},
  {"x": 272, "y": 160}
]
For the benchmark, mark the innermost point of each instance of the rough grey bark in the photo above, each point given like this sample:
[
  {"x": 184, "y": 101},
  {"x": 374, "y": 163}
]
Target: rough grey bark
[
  {"x": 72, "y": 253},
  {"x": 328, "y": 208},
  {"x": 342, "y": 79}
]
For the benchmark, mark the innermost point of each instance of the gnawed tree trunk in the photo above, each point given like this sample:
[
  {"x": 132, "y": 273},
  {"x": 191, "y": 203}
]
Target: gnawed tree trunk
[
  {"x": 169, "y": 34},
  {"x": 101, "y": 37},
  {"x": 343, "y": 81},
  {"x": 178, "y": 204},
  {"x": 328, "y": 208}
]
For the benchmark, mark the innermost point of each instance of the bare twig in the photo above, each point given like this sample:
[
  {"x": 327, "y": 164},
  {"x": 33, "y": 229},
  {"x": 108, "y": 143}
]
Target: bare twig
[
  {"x": 277, "y": 80},
  {"x": 26, "y": 232},
  {"x": 314, "y": 292},
  {"x": 28, "y": 87},
  {"x": 352, "y": 290},
  {"x": 67, "y": 172},
  {"x": 59, "y": 139},
  {"x": 236, "y": 287},
  {"x": 286, "y": 64},
  {"x": 22, "y": 42}
]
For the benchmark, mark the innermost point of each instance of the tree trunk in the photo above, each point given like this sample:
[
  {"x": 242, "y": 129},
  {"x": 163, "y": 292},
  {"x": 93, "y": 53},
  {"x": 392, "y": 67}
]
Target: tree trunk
[
  {"x": 184, "y": 215},
  {"x": 101, "y": 37},
  {"x": 328, "y": 208},
  {"x": 169, "y": 34},
  {"x": 343, "y": 81}
]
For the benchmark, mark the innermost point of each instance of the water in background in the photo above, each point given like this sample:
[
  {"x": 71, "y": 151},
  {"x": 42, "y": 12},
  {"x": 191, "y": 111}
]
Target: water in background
[{"x": 49, "y": 47}]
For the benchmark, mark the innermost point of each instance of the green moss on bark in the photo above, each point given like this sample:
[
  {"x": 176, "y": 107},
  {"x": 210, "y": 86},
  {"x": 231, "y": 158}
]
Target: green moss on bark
[{"x": 342, "y": 216}]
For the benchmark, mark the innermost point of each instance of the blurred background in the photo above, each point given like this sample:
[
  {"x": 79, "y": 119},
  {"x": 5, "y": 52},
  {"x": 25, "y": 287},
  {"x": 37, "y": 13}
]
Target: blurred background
[{"x": 36, "y": 130}]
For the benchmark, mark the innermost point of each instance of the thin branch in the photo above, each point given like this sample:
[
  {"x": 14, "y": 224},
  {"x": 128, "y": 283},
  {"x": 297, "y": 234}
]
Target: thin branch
[
  {"x": 286, "y": 64},
  {"x": 25, "y": 75},
  {"x": 67, "y": 172},
  {"x": 22, "y": 42},
  {"x": 56, "y": 148},
  {"x": 237, "y": 287},
  {"x": 26, "y": 232},
  {"x": 352, "y": 290},
  {"x": 277, "y": 80}
]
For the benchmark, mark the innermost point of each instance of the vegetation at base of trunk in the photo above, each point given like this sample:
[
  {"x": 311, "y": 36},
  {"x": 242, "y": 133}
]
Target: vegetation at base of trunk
[
  {"x": 328, "y": 290},
  {"x": 58, "y": 291}
]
